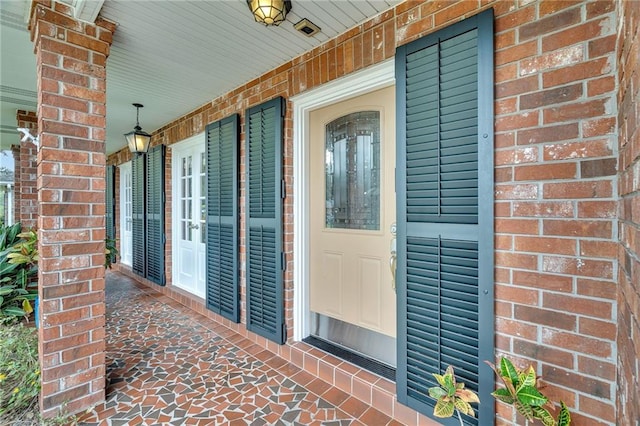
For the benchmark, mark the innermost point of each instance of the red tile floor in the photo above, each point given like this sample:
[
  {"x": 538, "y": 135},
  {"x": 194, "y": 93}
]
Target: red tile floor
[{"x": 168, "y": 365}]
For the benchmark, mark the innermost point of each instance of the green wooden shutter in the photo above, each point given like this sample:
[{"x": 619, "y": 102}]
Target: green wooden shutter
[
  {"x": 155, "y": 215},
  {"x": 138, "y": 224},
  {"x": 110, "y": 206},
  {"x": 445, "y": 212},
  {"x": 264, "y": 183},
  {"x": 222, "y": 217}
]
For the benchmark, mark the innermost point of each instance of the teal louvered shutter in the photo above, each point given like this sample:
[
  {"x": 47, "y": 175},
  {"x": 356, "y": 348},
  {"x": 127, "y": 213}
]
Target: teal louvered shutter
[
  {"x": 264, "y": 183},
  {"x": 444, "y": 85},
  {"x": 155, "y": 215},
  {"x": 222, "y": 217},
  {"x": 110, "y": 206},
  {"x": 138, "y": 220}
]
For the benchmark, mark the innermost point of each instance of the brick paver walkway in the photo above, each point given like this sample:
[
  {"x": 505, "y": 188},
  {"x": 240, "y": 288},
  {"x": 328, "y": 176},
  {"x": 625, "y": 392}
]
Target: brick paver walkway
[{"x": 167, "y": 365}]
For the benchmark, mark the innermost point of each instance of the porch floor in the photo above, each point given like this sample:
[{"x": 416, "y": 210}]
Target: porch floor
[{"x": 169, "y": 365}]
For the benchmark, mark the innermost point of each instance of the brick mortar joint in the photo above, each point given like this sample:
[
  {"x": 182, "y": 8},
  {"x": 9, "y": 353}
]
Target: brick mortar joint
[{"x": 39, "y": 10}]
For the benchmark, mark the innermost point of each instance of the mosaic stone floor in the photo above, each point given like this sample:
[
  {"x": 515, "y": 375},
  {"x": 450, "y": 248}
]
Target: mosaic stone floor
[{"x": 167, "y": 365}]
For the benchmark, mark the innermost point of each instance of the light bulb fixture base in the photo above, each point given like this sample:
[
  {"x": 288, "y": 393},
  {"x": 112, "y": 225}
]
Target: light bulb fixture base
[
  {"x": 307, "y": 27},
  {"x": 269, "y": 12},
  {"x": 138, "y": 140}
]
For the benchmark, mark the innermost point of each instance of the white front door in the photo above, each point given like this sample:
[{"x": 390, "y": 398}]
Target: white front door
[
  {"x": 125, "y": 214},
  {"x": 189, "y": 215}
]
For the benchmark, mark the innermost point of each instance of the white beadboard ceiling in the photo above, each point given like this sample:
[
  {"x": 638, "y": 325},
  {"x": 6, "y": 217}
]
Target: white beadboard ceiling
[{"x": 171, "y": 56}]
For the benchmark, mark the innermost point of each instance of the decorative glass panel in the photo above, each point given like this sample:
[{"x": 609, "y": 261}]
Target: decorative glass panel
[
  {"x": 186, "y": 199},
  {"x": 128, "y": 211},
  {"x": 203, "y": 197},
  {"x": 352, "y": 171}
]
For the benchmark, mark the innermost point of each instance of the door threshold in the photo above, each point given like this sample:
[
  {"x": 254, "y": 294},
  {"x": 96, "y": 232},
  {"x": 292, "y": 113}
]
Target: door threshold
[{"x": 361, "y": 361}]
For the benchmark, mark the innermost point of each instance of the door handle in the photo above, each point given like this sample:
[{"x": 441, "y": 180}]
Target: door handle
[{"x": 392, "y": 263}]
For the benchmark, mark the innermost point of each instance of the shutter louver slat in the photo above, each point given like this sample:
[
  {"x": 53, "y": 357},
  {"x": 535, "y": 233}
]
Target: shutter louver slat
[
  {"x": 435, "y": 314},
  {"x": 445, "y": 229},
  {"x": 265, "y": 305},
  {"x": 223, "y": 294}
]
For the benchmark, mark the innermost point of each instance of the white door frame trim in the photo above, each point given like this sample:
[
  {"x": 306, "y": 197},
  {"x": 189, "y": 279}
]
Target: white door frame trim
[
  {"x": 176, "y": 149},
  {"x": 372, "y": 78}
]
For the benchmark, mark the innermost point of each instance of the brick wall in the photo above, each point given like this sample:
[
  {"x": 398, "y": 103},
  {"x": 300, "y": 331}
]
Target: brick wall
[
  {"x": 26, "y": 210},
  {"x": 71, "y": 76},
  {"x": 556, "y": 188},
  {"x": 556, "y": 199},
  {"x": 628, "y": 403}
]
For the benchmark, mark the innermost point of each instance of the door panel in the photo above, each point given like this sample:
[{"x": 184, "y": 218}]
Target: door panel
[
  {"x": 352, "y": 208},
  {"x": 328, "y": 300},
  {"x": 371, "y": 273}
]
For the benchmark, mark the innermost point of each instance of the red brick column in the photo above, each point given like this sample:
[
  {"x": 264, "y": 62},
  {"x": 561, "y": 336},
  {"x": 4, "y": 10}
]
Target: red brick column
[
  {"x": 628, "y": 337},
  {"x": 25, "y": 174},
  {"x": 71, "y": 74}
]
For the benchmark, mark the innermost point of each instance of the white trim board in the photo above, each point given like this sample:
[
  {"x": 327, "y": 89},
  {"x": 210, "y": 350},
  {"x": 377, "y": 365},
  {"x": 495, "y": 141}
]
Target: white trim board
[{"x": 372, "y": 78}]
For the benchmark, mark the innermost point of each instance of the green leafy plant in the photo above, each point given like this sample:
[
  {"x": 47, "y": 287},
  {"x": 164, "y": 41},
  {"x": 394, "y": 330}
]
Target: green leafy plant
[
  {"x": 110, "y": 252},
  {"x": 522, "y": 392},
  {"x": 451, "y": 396},
  {"x": 9, "y": 236},
  {"x": 19, "y": 371},
  {"x": 18, "y": 269}
]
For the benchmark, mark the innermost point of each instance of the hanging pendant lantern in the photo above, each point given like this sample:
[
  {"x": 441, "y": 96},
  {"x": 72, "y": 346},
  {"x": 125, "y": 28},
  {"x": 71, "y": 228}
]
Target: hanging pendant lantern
[{"x": 138, "y": 140}]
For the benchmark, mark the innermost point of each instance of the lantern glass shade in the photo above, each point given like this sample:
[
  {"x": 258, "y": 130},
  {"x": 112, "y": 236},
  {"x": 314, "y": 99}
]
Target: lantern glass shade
[
  {"x": 138, "y": 141},
  {"x": 269, "y": 12}
]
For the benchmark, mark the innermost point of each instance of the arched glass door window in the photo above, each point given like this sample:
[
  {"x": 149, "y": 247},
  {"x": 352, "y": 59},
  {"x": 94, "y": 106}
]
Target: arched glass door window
[{"x": 352, "y": 171}]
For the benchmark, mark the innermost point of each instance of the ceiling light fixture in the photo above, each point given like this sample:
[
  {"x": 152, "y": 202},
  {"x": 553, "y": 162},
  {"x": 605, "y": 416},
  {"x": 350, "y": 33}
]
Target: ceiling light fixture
[
  {"x": 138, "y": 140},
  {"x": 269, "y": 12}
]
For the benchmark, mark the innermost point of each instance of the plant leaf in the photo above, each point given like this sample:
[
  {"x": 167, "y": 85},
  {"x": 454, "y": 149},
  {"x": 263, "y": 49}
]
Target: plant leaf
[
  {"x": 510, "y": 386},
  {"x": 529, "y": 379},
  {"x": 14, "y": 311},
  {"x": 545, "y": 417},
  {"x": 467, "y": 395},
  {"x": 503, "y": 395},
  {"x": 437, "y": 392},
  {"x": 564, "y": 418},
  {"x": 531, "y": 396},
  {"x": 449, "y": 372},
  {"x": 443, "y": 409},
  {"x": 440, "y": 379},
  {"x": 508, "y": 370},
  {"x": 449, "y": 384},
  {"x": 464, "y": 407},
  {"x": 7, "y": 289},
  {"x": 26, "y": 306},
  {"x": 524, "y": 409}
]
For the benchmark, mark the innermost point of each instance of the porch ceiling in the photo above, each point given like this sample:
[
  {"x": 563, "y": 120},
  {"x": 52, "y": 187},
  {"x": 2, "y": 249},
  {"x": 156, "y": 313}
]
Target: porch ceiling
[{"x": 172, "y": 56}]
